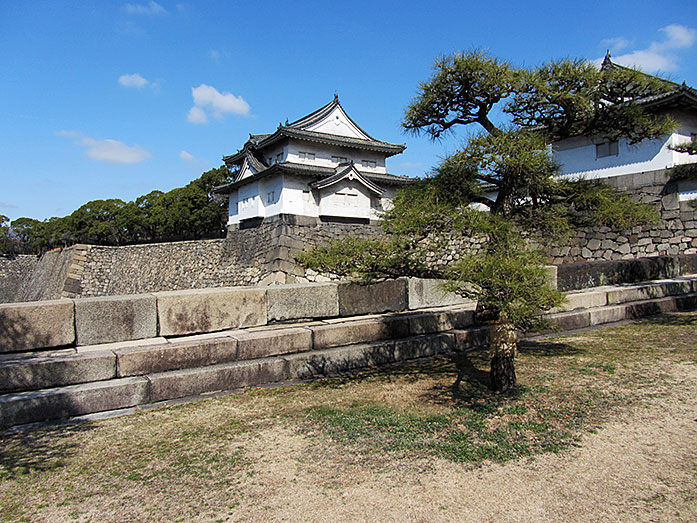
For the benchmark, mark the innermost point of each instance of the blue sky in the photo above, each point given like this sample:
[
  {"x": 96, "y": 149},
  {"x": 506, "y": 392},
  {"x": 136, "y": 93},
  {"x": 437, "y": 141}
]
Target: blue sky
[{"x": 113, "y": 99}]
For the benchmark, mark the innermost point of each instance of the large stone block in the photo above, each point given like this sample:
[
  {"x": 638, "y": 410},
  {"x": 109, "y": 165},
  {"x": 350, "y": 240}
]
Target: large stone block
[
  {"x": 634, "y": 293},
  {"x": 570, "y": 320},
  {"x": 388, "y": 296},
  {"x": 34, "y": 371},
  {"x": 330, "y": 362},
  {"x": 180, "y": 354},
  {"x": 271, "y": 342},
  {"x": 225, "y": 376},
  {"x": 649, "y": 308},
  {"x": 424, "y": 293},
  {"x": 686, "y": 302},
  {"x": 583, "y": 300},
  {"x": 423, "y": 346},
  {"x": 209, "y": 310},
  {"x": 72, "y": 400},
  {"x": 471, "y": 338},
  {"x": 36, "y": 325},
  {"x": 115, "y": 318},
  {"x": 608, "y": 314},
  {"x": 359, "y": 331},
  {"x": 438, "y": 321},
  {"x": 303, "y": 300}
]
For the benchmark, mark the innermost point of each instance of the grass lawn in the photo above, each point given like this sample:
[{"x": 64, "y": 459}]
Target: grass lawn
[{"x": 201, "y": 461}]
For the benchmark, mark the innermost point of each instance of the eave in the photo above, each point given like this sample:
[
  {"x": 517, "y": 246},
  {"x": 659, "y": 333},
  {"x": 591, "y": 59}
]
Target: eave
[{"x": 311, "y": 171}]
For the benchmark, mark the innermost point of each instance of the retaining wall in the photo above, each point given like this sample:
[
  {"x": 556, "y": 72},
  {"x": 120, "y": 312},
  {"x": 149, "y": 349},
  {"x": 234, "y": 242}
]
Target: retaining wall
[
  {"x": 40, "y": 385},
  {"x": 15, "y": 273},
  {"x": 90, "y": 321},
  {"x": 264, "y": 254}
]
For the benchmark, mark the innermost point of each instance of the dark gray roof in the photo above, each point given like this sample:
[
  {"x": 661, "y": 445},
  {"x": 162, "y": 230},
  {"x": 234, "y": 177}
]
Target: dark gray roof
[
  {"x": 344, "y": 171},
  {"x": 676, "y": 95},
  {"x": 312, "y": 171},
  {"x": 297, "y": 130}
]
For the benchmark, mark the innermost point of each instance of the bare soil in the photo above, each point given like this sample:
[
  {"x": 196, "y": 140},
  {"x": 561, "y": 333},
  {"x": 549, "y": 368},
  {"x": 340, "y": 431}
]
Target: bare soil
[{"x": 623, "y": 401}]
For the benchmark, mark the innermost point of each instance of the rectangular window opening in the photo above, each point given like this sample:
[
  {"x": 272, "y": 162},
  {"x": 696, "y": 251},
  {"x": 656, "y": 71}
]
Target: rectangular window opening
[{"x": 605, "y": 149}]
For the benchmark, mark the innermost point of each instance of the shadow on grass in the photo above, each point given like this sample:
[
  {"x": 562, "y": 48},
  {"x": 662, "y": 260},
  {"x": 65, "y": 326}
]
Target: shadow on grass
[
  {"x": 674, "y": 320},
  {"x": 546, "y": 349},
  {"x": 39, "y": 450}
]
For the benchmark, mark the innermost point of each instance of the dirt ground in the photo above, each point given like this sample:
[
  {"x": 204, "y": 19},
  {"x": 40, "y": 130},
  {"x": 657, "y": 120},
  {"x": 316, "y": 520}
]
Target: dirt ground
[
  {"x": 642, "y": 467},
  {"x": 605, "y": 429}
]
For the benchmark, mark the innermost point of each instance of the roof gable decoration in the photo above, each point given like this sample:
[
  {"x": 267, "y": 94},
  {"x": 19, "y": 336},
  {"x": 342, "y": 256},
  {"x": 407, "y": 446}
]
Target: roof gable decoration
[
  {"x": 250, "y": 166},
  {"x": 336, "y": 121},
  {"x": 348, "y": 172},
  {"x": 675, "y": 93}
]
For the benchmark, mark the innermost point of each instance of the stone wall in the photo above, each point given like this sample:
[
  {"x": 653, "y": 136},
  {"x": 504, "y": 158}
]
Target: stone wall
[
  {"x": 264, "y": 254},
  {"x": 272, "y": 245},
  {"x": 15, "y": 272},
  {"x": 48, "y": 278},
  {"x": 675, "y": 234}
]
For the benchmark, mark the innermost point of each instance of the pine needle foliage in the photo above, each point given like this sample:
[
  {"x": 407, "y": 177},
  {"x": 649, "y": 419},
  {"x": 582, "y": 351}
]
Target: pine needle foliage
[{"x": 508, "y": 280}]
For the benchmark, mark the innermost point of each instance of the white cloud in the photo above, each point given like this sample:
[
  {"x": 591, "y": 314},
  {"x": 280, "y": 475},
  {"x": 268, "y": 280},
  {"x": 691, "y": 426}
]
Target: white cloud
[
  {"x": 133, "y": 80},
  {"x": 616, "y": 44},
  {"x": 679, "y": 36},
  {"x": 186, "y": 156},
  {"x": 112, "y": 151},
  {"x": 197, "y": 115},
  {"x": 151, "y": 8},
  {"x": 207, "y": 98},
  {"x": 659, "y": 55}
]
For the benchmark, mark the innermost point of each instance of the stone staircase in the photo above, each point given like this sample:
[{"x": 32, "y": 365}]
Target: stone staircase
[{"x": 41, "y": 385}]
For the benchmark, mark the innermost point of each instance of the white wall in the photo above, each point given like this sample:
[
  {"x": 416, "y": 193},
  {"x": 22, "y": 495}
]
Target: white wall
[
  {"x": 324, "y": 153},
  {"x": 346, "y": 198},
  {"x": 249, "y": 202},
  {"x": 233, "y": 214},
  {"x": 337, "y": 122},
  {"x": 577, "y": 156}
]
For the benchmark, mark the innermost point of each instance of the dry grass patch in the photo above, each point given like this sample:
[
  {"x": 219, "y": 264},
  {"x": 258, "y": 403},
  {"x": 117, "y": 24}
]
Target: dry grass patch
[{"x": 232, "y": 456}]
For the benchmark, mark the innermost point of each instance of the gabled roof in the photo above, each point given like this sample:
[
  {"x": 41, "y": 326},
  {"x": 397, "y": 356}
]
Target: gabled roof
[
  {"x": 251, "y": 162},
  {"x": 313, "y": 172},
  {"x": 676, "y": 95},
  {"x": 301, "y": 129},
  {"x": 347, "y": 171}
]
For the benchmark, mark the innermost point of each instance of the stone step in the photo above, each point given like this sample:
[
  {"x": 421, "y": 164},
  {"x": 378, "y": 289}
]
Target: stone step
[
  {"x": 613, "y": 295},
  {"x": 118, "y": 393},
  {"x": 73, "y": 400},
  {"x": 128, "y": 374},
  {"x": 44, "y": 369}
]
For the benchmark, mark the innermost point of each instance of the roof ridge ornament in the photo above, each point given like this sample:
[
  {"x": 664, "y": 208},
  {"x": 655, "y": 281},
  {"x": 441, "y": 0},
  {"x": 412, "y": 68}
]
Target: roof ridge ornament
[{"x": 606, "y": 61}]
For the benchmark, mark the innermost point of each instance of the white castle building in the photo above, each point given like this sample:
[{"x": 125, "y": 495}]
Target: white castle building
[
  {"x": 321, "y": 166},
  {"x": 595, "y": 157}
]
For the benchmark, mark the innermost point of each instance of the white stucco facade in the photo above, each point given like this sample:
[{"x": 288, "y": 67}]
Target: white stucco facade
[
  {"x": 292, "y": 195},
  {"x": 578, "y": 158},
  {"x": 321, "y": 166}
]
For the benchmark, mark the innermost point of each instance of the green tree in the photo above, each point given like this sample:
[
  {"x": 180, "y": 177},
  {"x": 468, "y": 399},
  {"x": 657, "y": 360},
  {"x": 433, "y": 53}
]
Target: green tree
[
  {"x": 6, "y": 245},
  {"x": 506, "y": 168}
]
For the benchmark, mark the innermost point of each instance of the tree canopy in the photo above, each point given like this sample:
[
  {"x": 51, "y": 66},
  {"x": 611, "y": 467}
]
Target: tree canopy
[
  {"x": 184, "y": 213},
  {"x": 506, "y": 168}
]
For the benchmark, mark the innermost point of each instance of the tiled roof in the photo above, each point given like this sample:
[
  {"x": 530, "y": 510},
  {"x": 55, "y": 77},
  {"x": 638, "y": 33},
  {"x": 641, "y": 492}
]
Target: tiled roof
[
  {"x": 347, "y": 171},
  {"x": 312, "y": 171},
  {"x": 297, "y": 130},
  {"x": 677, "y": 94},
  {"x": 332, "y": 139}
]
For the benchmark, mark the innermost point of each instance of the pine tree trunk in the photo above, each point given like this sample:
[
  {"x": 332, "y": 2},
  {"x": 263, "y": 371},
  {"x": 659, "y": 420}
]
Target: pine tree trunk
[{"x": 503, "y": 343}]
